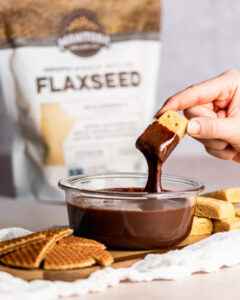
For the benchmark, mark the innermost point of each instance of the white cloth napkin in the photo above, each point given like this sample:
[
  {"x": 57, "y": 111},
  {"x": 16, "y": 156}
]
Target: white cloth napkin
[{"x": 208, "y": 255}]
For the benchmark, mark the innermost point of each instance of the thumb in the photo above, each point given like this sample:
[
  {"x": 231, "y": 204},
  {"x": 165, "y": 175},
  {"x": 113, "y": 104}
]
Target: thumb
[{"x": 214, "y": 128}]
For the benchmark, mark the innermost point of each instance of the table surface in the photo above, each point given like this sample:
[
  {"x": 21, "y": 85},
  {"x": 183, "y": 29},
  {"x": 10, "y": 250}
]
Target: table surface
[{"x": 218, "y": 285}]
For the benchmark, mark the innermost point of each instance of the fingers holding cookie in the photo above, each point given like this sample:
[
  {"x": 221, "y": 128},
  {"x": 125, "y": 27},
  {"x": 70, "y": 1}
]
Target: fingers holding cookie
[
  {"x": 226, "y": 154},
  {"x": 206, "y": 110},
  {"x": 215, "y": 144}
]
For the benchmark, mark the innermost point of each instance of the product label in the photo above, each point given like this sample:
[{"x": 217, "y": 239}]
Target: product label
[
  {"x": 87, "y": 112},
  {"x": 79, "y": 84}
]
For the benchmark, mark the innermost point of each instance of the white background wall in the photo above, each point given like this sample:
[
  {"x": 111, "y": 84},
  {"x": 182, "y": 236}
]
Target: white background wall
[{"x": 201, "y": 38}]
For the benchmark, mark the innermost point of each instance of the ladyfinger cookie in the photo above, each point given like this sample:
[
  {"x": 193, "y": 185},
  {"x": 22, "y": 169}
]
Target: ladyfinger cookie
[
  {"x": 214, "y": 209},
  {"x": 226, "y": 225},
  {"x": 230, "y": 194},
  {"x": 201, "y": 226},
  {"x": 174, "y": 122}
]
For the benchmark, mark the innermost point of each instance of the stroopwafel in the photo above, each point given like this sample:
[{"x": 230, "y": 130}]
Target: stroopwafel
[
  {"x": 62, "y": 258},
  {"x": 29, "y": 256}
]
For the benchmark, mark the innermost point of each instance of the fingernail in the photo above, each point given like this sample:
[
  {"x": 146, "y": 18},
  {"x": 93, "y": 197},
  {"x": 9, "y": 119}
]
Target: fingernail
[
  {"x": 156, "y": 114},
  {"x": 193, "y": 127},
  {"x": 159, "y": 113}
]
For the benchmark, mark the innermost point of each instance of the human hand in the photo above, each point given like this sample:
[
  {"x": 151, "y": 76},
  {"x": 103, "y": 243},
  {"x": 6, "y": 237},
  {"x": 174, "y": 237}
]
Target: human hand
[{"x": 213, "y": 107}]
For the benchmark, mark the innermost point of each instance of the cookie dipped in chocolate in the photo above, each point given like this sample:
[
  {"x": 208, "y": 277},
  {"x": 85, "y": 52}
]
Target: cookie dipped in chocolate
[{"x": 157, "y": 142}]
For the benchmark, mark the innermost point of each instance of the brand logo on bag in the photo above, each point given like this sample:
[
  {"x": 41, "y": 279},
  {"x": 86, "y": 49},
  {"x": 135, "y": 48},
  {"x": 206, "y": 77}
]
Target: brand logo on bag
[{"x": 82, "y": 34}]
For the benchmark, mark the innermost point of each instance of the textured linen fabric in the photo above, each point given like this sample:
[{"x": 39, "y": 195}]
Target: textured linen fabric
[{"x": 208, "y": 255}]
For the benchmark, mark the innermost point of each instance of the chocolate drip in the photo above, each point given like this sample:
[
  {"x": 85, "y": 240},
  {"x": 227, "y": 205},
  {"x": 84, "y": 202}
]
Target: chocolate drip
[
  {"x": 153, "y": 223},
  {"x": 156, "y": 143}
]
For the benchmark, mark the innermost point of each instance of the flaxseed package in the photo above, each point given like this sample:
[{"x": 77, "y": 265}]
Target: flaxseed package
[{"x": 79, "y": 80}]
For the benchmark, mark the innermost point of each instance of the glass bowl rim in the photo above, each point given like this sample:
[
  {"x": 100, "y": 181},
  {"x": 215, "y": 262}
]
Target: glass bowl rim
[{"x": 66, "y": 184}]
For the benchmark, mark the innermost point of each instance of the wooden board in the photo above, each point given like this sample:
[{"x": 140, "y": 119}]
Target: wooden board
[{"x": 122, "y": 259}]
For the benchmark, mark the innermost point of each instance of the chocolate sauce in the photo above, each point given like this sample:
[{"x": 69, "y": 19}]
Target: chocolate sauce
[
  {"x": 156, "y": 143},
  {"x": 155, "y": 223}
]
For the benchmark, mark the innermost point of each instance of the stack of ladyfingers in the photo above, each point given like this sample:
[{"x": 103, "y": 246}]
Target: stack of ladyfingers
[
  {"x": 216, "y": 212},
  {"x": 53, "y": 249}
]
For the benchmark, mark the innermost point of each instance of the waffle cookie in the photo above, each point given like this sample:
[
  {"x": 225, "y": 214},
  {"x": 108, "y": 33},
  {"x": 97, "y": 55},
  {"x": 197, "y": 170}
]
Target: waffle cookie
[
  {"x": 201, "y": 226},
  {"x": 62, "y": 258},
  {"x": 230, "y": 194},
  {"x": 102, "y": 257},
  {"x": 214, "y": 209},
  {"x": 29, "y": 256},
  {"x": 174, "y": 122},
  {"x": 226, "y": 225},
  {"x": 57, "y": 233},
  {"x": 80, "y": 241},
  {"x": 14, "y": 244},
  {"x": 71, "y": 252}
]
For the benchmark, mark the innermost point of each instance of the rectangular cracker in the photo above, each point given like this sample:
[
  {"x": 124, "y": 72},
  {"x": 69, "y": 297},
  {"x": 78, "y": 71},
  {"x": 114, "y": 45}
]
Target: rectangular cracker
[
  {"x": 201, "y": 226},
  {"x": 30, "y": 256},
  {"x": 226, "y": 225},
  {"x": 230, "y": 194},
  {"x": 215, "y": 209},
  {"x": 174, "y": 122}
]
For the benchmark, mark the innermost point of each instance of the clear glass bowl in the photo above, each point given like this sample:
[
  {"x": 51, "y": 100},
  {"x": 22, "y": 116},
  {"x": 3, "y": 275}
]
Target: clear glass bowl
[{"x": 99, "y": 209}]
